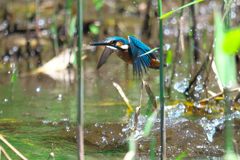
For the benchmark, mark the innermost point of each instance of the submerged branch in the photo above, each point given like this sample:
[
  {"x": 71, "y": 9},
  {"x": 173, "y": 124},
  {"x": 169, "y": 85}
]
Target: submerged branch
[{"x": 217, "y": 95}]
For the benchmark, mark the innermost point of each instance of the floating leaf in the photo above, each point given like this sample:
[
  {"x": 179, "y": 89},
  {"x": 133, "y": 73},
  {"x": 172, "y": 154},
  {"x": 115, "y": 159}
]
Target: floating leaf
[
  {"x": 225, "y": 63},
  {"x": 231, "y": 43},
  {"x": 189, "y": 4},
  {"x": 182, "y": 155},
  {"x": 154, "y": 49},
  {"x": 149, "y": 123},
  {"x": 72, "y": 26},
  {"x": 169, "y": 57},
  {"x": 94, "y": 29}
]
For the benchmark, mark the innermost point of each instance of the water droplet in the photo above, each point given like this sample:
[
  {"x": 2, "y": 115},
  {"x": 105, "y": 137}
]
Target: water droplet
[{"x": 38, "y": 89}]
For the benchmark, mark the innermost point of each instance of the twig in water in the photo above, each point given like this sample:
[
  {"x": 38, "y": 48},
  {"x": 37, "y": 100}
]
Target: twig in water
[
  {"x": 120, "y": 91},
  {"x": 5, "y": 153},
  {"x": 51, "y": 154},
  {"x": 218, "y": 94},
  {"x": 14, "y": 149}
]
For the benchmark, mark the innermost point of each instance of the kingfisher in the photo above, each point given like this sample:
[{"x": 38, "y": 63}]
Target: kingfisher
[{"x": 129, "y": 51}]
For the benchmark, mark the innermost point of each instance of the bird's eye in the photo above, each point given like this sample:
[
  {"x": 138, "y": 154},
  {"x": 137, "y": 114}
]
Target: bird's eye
[{"x": 114, "y": 41}]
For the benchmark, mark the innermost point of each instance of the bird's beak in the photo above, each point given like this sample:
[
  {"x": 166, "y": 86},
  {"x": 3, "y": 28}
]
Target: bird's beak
[{"x": 102, "y": 43}]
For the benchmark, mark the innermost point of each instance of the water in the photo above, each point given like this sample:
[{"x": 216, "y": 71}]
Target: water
[{"x": 42, "y": 112}]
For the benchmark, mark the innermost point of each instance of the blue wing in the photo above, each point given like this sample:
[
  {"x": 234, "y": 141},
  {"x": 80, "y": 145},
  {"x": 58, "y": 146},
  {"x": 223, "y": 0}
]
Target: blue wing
[{"x": 139, "y": 48}]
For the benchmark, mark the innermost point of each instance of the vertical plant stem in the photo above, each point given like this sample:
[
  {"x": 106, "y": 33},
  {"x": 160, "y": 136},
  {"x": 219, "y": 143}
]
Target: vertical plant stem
[
  {"x": 229, "y": 129},
  {"x": 37, "y": 18},
  {"x": 229, "y": 134},
  {"x": 163, "y": 129},
  {"x": 80, "y": 110},
  {"x": 152, "y": 148},
  {"x": 194, "y": 33},
  {"x": 55, "y": 40}
]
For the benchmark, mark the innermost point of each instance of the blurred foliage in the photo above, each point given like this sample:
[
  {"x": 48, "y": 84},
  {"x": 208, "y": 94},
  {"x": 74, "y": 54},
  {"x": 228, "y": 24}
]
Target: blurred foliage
[
  {"x": 169, "y": 57},
  {"x": 94, "y": 29},
  {"x": 231, "y": 43},
  {"x": 149, "y": 123},
  {"x": 72, "y": 26},
  {"x": 182, "y": 155},
  {"x": 98, "y": 4},
  {"x": 14, "y": 74},
  {"x": 225, "y": 63}
]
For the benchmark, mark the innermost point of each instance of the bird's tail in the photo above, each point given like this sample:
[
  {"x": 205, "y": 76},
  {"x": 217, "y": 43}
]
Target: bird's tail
[{"x": 154, "y": 64}]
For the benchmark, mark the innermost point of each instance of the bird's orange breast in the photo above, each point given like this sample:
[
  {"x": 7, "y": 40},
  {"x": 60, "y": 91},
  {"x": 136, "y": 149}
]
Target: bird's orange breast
[{"x": 126, "y": 56}]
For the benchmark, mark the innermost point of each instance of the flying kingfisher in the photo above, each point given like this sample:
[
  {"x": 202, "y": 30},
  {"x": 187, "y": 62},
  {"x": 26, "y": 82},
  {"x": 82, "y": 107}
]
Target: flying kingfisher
[{"x": 130, "y": 51}]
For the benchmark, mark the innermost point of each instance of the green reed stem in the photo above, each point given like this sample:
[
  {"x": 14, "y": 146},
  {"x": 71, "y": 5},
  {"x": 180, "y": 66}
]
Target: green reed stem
[
  {"x": 228, "y": 124},
  {"x": 163, "y": 128},
  {"x": 80, "y": 110}
]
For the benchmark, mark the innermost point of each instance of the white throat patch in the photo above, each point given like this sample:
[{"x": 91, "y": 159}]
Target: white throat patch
[
  {"x": 111, "y": 47},
  {"x": 124, "y": 46}
]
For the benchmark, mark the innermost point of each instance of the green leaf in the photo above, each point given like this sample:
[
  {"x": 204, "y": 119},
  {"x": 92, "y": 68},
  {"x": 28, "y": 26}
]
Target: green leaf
[
  {"x": 169, "y": 57},
  {"x": 53, "y": 30},
  {"x": 98, "y": 4},
  {"x": 182, "y": 155},
  {"x": 149, "y": 123},
  {"x": 225, "y": 63},
  {"x": 14, "y": 75},
  {"x": 154, "y": 49},
  {"x": 231, "y": 43},
  {"x": 189, "y": 4},
  {"x": 72, "y": 26},
  {"x": 75, "y": 57},
  {"x": 94, "y": 29},
  {"x": 69, "y": 4}
]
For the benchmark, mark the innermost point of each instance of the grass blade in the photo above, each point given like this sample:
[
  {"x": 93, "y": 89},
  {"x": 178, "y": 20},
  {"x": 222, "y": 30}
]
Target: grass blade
[
  {"x": 14, "y": 75},
  {"x": 149, "y": 123},
  {"x": 72, "y": 26},
  {"x": 132, "y": 145},
  {"x": 189, "y": 4},
  {"x": 152, "y": 50}
]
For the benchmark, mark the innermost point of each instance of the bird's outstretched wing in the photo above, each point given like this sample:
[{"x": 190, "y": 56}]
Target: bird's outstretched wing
[
  {"x": 106, "y": 53},
  {"x": 139, "y": 48}
]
